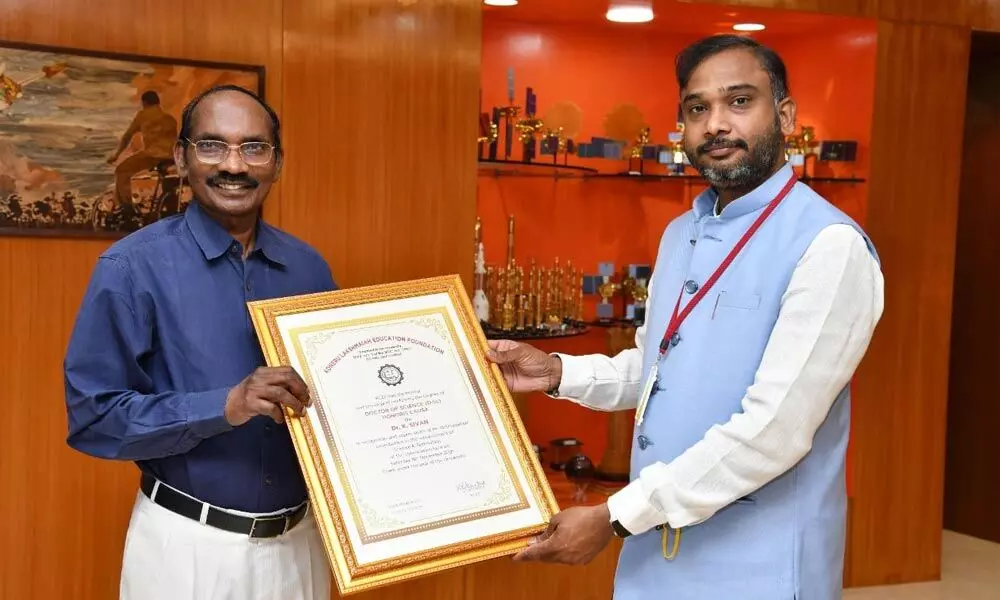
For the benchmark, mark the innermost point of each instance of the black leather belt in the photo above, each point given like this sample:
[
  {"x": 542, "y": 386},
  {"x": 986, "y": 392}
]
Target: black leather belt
[{"x": 259, "y": 527}]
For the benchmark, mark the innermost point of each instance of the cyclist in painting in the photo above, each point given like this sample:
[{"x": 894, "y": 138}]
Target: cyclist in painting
[{"x": 159, "y": 132}]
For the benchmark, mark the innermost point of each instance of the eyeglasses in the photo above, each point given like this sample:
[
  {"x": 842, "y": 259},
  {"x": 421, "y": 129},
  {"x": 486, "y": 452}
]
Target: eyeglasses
[{"x": 213, "y": 152}]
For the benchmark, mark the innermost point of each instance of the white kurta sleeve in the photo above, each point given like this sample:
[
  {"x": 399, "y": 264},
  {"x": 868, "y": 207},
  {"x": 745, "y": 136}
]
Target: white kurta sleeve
[
  {"x": 605, "y": 383},
  {"x": 827, "y": 317}
]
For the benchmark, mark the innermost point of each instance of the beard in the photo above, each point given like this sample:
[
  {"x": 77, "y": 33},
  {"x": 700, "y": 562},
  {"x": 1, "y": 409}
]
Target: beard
[{"x": 751, "y": 170}]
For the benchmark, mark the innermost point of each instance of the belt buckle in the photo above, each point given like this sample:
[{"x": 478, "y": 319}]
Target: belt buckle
[{"x": 284, "y": 530}]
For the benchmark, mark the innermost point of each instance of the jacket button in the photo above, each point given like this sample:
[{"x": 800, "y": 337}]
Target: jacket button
[
  {"x": 690, "y": 286},
  {"x": 675, "y": 339}
]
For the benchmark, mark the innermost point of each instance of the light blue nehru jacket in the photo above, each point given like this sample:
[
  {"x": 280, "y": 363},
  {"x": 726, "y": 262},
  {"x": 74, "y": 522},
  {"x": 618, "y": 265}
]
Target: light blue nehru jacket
[{"x": 785, "y": 541}]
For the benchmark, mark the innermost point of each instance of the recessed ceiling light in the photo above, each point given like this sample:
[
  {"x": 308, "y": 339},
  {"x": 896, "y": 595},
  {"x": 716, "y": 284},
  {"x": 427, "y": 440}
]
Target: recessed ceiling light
[
  {"x": 749, "y": 27},
  {"x": 500, "y": 2},
  {"x": 630, "y": 12}
]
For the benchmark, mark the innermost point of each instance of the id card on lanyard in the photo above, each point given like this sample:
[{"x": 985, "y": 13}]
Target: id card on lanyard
[{"x": 678, "y": 317}]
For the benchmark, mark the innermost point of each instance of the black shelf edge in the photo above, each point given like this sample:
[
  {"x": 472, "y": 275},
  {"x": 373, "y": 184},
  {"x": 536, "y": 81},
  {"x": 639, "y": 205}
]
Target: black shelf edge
[
  {"x": 646, "y": 177},
  {"x": 515, "y": 168},
  {"x": 572, "y": 329},
  {"x": 539, "y": 167},
  {"x": 832, "y": 179}
]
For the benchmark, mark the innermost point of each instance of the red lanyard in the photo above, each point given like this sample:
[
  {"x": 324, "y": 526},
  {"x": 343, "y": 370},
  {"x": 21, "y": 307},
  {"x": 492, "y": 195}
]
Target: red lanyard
[{"x": 677, "y": 319}]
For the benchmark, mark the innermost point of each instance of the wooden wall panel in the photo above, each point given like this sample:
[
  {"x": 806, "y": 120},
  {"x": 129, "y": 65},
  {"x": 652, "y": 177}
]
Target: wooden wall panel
[
  {"x": 902, "y": 385},
  {"x": 380, "y": 140},
  {"x": 849, "y": 8},
  {"x": 979, "y": 14},
  {"x": 384, "y": 96},
  {"x": 66, "y": 513},
  {"x": 972, "y": 490},
  {"x": 983, "y": 14},
  {"x": 954, "y": 12}
]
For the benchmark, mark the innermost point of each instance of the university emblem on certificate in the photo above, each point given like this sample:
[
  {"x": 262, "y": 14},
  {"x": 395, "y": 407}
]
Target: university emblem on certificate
[
  {"x": 413, "y": 475},
  {"x": 390, "y": 375}
]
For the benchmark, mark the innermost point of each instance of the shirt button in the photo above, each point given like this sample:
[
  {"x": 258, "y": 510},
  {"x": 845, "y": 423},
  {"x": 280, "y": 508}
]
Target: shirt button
[
  {"x": 690, "y": 286},
  {"x": 267, "y": 481},
  {"x": 675, "y": 339}
]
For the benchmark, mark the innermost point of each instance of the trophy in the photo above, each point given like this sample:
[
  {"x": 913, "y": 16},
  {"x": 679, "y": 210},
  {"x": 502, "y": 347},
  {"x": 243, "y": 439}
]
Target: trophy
[
  {"x": 793, "y": 150},
  {"x": 673, "y": 155},
  {"x": 556, "y": 143},
  {"x": 488, "y": 133},
  {"x": 511, "y": 283},
  {"x": 529, "y": 127},
  {"x": 554, "y": 298},
  {"x": 634, "y": 283},
  {"x": 507, "y": 314},
  {"x": 809, "y": 142},
  {"x": 495, "y": 127},
  {"x": 480, "y": 302},
  {"x": 508, "y": 114},
  {"x": 798, "y": 148},
  {"x": 640, "y": 152},
  {"x": 607, "y": 289},
  {"x": 510, "y": 241},
  {"x": 515, "y": 301}
]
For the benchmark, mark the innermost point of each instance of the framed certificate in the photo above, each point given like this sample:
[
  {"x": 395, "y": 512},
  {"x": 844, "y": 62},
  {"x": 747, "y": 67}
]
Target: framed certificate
[{"x": 412, "y": 450}]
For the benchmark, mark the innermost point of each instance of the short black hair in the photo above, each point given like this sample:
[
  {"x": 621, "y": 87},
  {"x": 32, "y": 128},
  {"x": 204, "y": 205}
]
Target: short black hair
[
  {"x": 692, "y": 56},
  {"x": 187, "y": 117},
  {"x": 150, "y": 98}
]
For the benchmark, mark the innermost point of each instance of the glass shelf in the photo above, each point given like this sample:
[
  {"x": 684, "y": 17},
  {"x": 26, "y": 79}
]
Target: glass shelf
[
  {"x": 569, "y": 329},
  {"x": 514, "y": 168},
  {"x": 648, "y": 177}
]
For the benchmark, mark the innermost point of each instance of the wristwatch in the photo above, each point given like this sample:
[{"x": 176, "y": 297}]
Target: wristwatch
[
  {"x": 620, "y": 530},
  {"x": 554, "y": 392}
]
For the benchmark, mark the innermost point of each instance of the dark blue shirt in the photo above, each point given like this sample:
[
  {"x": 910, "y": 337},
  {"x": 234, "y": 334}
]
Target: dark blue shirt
[{"x": 162, "y": 335}]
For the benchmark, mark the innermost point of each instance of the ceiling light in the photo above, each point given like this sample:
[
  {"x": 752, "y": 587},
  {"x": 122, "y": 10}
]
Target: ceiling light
[
  {"x": 749, "y": 27},
  {"x": 630, "y": 11},
  {"x": 500, "y": 2}
]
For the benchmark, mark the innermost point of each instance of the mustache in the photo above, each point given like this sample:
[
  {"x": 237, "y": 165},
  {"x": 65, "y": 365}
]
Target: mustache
[
  {"x": 229, "y": 178},
  {"x": 718, "y": 143}
]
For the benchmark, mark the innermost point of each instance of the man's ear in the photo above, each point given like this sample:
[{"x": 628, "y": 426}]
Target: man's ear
[
  {"x": 279, "y": 159},
  {"x": 786, "y": 115},
  {"x": 179, "y": 159}
]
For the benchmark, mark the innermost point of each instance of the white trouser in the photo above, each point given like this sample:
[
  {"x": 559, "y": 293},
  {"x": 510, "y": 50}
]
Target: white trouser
[{"x": 170, "y": 557}]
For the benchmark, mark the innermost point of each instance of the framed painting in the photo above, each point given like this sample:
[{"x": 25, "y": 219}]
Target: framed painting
[
  {"x": 86, "y": 138},
  {"x": 412, "y": 449}
]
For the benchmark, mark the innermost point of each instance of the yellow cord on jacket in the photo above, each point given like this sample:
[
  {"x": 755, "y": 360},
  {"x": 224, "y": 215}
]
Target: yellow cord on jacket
[{"x": 677, "y": 543}]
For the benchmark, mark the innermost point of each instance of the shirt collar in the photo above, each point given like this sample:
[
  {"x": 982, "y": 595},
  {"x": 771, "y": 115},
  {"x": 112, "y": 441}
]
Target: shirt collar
[
  {"x": 704, "y": 204},
  {"x": 215, "y": 241}
]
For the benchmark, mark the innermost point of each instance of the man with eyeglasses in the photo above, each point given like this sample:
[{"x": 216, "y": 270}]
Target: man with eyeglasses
[{"x": 164, "y": 369}]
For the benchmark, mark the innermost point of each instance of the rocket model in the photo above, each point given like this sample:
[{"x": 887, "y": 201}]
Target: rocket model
[{"x": 480, "y": 304}]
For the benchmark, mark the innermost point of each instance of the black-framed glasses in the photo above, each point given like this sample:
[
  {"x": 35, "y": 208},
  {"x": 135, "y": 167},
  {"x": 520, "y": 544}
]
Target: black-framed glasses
[{"x": 213, "y": 152}]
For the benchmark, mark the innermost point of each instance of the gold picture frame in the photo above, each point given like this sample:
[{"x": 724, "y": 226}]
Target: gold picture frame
[{"x": 423, "y": 323}]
